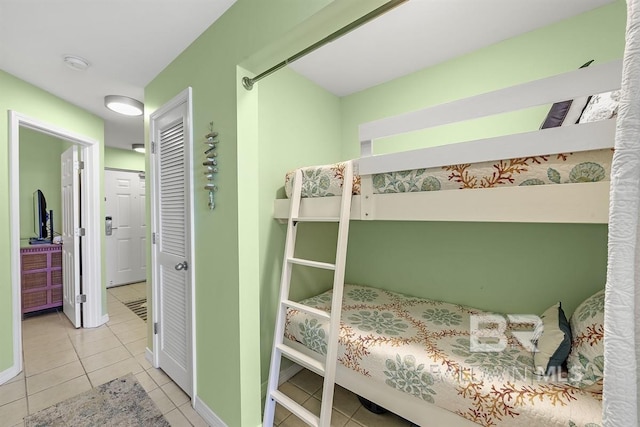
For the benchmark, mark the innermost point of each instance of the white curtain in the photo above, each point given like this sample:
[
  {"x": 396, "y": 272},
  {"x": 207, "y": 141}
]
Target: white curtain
[{"x": 622, "y": 300}]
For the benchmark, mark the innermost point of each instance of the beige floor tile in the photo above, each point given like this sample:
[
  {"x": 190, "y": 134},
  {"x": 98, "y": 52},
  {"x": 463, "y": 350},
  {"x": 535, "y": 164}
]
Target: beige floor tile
[
  {"x": 280, "y": 414},
  {"x": 194, "y": 418},
  {"x": 111, "y": 372},
  {"x": 146, "y": 381},
  {"x": 19, "y": 377},
  {"x": 175, "y": 393},
  {"x": 369, "y": 419},
  {"x": 57, "y": 394},
  {"x": 125, "y": 316},
  {"x": 133, "y": 334},
  {"x": 297, "y": 394},
  {"x": 86, "y": 349},
  {"x": 11, "y": 392},
  {"x": 54, "y": 377},
  {"x": 307, "y": 380},
  {"x": 13, "y": 413},
  {"x": 38, "y": 345},
  {"x": 344, "y": 401},
  {"x": 127, "y": 326},
  {"x": 177, "y": 419},
  {"x": 293, "y": 421},
  {"x": 162, "y": 401},
  {"x": 106, "y": 358},
  {"x": 142, "y": 360},
  {"x": 137, "y": 347},
  {"x": 352, "y": 423},
  {"x": 158, "y": 376},
  {"x": 46, "y": 361},
  {"x": 90, "y": 335},
  {"x": 337, "y": 419}
]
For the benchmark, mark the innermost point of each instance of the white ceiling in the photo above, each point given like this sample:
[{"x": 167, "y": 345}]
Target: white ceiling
[
  {"x": 421, "y": 33},
  {"x": 128, "y": 42}
]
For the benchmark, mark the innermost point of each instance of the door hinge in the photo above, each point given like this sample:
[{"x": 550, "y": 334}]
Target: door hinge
[
  {"x": 153, "y": 238},
  {"x": 155, "y": 328},
  {"x": 153, "y": 147},
  {"x": 80, "y": 232},
  {"x": 81, "y": 299}
]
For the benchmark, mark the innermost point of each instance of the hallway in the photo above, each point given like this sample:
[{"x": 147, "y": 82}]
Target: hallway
[{"x": 61, "y": 362}]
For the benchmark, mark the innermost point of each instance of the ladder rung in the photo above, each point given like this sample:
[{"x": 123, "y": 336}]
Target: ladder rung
[
  {"x": 316, "y": 219},
  {"x": 295, "y": 408},
  {"x": 310, "y": 263},
  {"x": 307, "y": 309},
  {"x": 300, "y": 358}
]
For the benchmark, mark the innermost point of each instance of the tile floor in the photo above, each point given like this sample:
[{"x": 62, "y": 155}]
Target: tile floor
[
  {"x": 306, "y": 389},
  {"x": 61, "y": 361}
]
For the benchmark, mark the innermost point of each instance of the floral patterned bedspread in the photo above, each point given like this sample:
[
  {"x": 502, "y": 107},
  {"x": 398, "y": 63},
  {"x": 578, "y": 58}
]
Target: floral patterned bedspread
[
  {"x": 422, "y": 347},
  {"x": 584, "y": 166}
]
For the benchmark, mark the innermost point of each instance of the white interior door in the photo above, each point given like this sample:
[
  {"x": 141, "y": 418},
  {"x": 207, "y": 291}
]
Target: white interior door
[
  {"x": 71, "y": 285},
  {"x": 172, "y": 248},
  {"x": 126, "y": 237}
]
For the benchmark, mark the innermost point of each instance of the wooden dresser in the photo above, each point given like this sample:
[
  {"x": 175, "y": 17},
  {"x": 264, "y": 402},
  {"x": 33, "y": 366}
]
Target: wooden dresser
[{"x": 41, "y": 277}]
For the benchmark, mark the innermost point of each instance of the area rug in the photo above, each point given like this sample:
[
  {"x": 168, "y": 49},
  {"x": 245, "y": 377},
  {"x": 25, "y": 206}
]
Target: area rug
[
  {"x": 120, "y": 402},
  {"x": 139, "y": 307}
]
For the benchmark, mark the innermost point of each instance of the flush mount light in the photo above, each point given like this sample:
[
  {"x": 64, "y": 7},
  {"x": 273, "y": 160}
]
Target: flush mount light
[
  {"x": 138, "y": 147},
  {"x": 124, "y": 105},
  {"x": 75, "y": 62}
]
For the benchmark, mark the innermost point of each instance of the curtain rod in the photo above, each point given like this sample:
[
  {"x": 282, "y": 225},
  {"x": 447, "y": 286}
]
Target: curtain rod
[{"x": 248, "y": 82}]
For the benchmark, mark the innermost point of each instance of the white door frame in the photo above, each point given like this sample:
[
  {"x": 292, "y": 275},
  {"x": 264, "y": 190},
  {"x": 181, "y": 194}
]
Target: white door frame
[
  {"x": 90, "y": 205},
  {"x": 183, "y": 97}
]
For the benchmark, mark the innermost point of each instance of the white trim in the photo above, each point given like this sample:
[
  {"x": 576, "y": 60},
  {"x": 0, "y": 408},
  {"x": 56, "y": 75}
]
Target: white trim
[
  {"x": 8, "y": 374},
  {"x": 148, "y": 354},
  {"x": 92, "y": 253},
  {"x": 563, "y": 139},
  {"x": 183, "y": 97},
  {"x": 585, "y": 81},
  {"x": 584, "y": 203},
  {"x": 287, "y": 374},
  {"x": 207, "y": 414},
  {"x": 104, "y": 319}
]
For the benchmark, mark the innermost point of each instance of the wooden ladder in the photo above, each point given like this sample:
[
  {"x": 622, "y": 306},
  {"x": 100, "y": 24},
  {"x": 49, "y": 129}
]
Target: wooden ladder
[{"x": 327, "y": 367}]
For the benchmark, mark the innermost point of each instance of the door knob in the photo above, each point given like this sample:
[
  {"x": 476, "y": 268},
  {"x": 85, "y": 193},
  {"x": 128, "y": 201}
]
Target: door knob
[{"x": 182, "y": 266}]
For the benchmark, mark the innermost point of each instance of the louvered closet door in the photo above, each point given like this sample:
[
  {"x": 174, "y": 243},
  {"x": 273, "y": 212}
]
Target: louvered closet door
[{"x": 172, "y": 243}]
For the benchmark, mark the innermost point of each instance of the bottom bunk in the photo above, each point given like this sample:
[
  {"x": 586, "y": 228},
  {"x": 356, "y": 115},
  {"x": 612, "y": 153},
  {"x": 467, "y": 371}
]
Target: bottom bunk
[{"x": 414, "y": 357}]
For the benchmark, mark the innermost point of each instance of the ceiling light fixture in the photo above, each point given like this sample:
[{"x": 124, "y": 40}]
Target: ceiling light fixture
[
  {"x": 124, "y": 105},
  {"x": 138, "y": 147},
  {"x": 75, "y": 62}
]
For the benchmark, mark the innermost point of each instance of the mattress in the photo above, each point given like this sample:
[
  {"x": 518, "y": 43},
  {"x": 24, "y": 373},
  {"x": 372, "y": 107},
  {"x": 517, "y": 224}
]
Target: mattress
[
  {"x": 422, "y": 347},
  {"x": 584, "y": 166}
]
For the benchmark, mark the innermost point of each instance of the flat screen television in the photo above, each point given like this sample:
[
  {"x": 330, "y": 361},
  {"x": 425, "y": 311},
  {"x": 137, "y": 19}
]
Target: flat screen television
[{"x": 41, "y": 218}]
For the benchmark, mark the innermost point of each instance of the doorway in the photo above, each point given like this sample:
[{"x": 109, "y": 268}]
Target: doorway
[
  {"x": 125, "y": 227},
  {"x": 91, "y": 252}
]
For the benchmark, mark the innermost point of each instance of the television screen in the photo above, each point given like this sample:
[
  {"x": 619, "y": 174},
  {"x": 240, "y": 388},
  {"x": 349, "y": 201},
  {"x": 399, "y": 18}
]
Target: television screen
[{"x": 39, "y": 215}]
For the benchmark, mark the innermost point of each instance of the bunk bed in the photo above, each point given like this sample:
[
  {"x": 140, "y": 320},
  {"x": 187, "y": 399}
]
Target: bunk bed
[{"x": 583, "y": 197}]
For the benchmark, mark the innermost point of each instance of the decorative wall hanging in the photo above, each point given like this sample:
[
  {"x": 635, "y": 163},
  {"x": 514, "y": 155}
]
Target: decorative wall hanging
[{"x": 211, "y": 164}]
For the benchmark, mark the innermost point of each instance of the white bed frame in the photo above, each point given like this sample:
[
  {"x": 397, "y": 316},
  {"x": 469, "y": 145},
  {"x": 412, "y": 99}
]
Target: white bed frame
[{"x": 567, "y": 203}]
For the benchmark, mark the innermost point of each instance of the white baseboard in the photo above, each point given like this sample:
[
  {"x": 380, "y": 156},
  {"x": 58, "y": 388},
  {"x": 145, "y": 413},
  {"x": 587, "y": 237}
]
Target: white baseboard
[
  {"x": 148, "y": 354},
  {"x": 285, "y": 375},
  {"x": 207, "y": 414},
  {"x": 105, "y": 319},
  {"x": 8, "y": 374}
]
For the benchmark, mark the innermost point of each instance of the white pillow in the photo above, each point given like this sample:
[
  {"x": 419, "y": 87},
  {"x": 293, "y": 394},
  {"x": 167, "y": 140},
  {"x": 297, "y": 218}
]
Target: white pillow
[{"x": 602, "y": 106}]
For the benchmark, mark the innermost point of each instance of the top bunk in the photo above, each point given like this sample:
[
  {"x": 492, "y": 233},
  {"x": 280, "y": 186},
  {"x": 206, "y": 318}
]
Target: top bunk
[{"x": 510, "y": 178}]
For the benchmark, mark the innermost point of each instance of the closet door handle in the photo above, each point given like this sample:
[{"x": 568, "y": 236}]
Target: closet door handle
[{"x": 182, "y": 266}]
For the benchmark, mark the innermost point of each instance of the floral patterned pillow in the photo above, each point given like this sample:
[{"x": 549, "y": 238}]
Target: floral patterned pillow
[{"x": 586, "y": 360}]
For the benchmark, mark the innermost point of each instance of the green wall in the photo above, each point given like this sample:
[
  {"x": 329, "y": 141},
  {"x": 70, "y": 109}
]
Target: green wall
[
  {"x": 505, "y": 267},
  {"x": 226, "y": 240},
  {"x": 117, "y": 158},
  {"x": 39, "y": 169},
  {"x": 33, "y": 102},
  {"x": 299, "y": 124}
]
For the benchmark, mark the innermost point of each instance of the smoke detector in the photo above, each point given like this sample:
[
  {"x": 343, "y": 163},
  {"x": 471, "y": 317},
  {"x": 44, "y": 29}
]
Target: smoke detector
[{"x": 75, "y": 62}]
